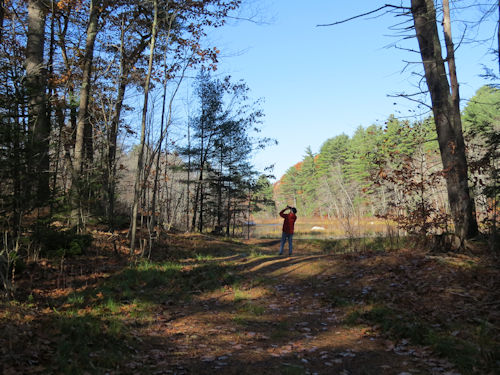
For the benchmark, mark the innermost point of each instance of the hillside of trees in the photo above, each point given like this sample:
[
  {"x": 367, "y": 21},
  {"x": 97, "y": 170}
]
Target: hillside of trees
[{"x": 395, "y": 172}]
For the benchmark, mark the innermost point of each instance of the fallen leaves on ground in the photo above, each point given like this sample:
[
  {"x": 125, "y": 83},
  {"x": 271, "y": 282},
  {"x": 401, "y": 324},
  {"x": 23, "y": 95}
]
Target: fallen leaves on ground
[{"x": 314, "y": 313}]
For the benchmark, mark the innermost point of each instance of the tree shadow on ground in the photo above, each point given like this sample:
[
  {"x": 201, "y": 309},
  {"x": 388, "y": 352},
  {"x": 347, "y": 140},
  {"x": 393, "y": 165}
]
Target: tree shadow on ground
[{"x": 185, "y": 316}]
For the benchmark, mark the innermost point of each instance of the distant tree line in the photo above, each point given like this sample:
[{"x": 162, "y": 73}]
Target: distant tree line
[{"x": 395, "y": 171}]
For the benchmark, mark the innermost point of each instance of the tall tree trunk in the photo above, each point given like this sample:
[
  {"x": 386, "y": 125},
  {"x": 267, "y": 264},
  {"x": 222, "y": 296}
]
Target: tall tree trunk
[
  {"x": 112, "y": 147},
  {"x": 2, "y": 15},
  {"x": 445, "y": 107},
  {"x": 228, "y": 214},
  {"x": 219, "y": 194},
  {"x": 82, "y": 119},
  {"x": 126, "y": 62},
  {"x": 450, "y": 58},
  {"x": 188, "y": 175},
  {"x": 73, "y": 103},
  {"x": 113, "y": 133},
  {"x": 36, "y": 84},
  {"x": 51, "y": 98},
  {"x": 137, "y": 184},
  {"x": 198, "y": 185},
  {"x": 158, "y": 154},
  {"x": 200, "y": 219},
  {"x": 162, "y": 135}
]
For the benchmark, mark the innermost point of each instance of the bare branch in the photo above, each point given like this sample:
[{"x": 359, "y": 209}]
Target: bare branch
[
  {"x": 405, "y": 49},
  {"x": 410, "y": 97},
  {"x": 364, "y": 14},
  {"x": 248, "y": 20}
]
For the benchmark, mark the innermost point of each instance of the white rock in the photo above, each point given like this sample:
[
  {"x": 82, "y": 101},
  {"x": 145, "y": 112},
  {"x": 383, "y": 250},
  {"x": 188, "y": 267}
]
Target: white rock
[{"x": 316, "y": 228}]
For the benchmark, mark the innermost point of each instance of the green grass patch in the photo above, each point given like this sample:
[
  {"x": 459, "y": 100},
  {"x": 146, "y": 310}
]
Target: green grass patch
[
  {"x": 94, "y": 325},
  {"x": 241, "y": 320},
  {"x": 291, "y": 369},
  {"x": 89, "y": 344},
  {"x": 252, "y": 309},
  {"x": 204, "y": 257},
  {"x": 239, "y": 295},
  {"x": 148, "y": 283},
  {"x": 256, "y": 253},
  {"x": 247, "y": 313},
  {"x": 464, "y": 354},
  {"x": 75, "y": 299},
  {"x": 207, "y": 277},
  {"x": 347, "y": 245}
]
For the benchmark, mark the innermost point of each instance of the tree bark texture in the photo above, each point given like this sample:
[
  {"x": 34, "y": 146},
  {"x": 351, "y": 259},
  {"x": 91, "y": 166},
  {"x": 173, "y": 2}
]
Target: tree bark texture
[
  {"x": 127, "y": 61},
  {"x": 36, "y": 84},
  {"x": 2, "y": 15},
  {"x": 140, "y": 161},
  {"x": 445, "y": 107},
  {"x": 82, "y": 119}
]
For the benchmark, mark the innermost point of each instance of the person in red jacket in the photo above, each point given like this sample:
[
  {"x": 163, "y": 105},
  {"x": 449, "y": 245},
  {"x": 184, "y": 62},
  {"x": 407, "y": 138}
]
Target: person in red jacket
[{"x": 288, "y": 224}]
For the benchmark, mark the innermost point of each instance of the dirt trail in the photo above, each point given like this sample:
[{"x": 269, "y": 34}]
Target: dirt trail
[
  {"x": 279, "y": 319},
  {"x": 207, "y": 305}
]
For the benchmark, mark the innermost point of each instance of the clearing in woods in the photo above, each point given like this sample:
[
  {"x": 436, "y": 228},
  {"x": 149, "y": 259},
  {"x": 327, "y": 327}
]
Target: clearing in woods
[{"x": 205, "y": 305}]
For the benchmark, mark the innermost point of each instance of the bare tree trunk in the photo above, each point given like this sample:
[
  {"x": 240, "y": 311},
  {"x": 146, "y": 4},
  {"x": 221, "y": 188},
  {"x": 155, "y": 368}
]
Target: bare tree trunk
[
  {"x": 228, "y": 224},
  {"x": 219, "y": 193},
  {"x": 2, "y": 15},
  {"x": 446, "y": 116},
  {"x": 137, "y": 184},
  {"x": 200, "y": 219},
  {"x": 162, "y": 135},
  {"x": 82, "y": 121},
  {"x": 160, "y": 142},
  {"x": 188, "y": 176},
  {"x": 36, "y": 84},
  {"x": 113, "y": 133},
  {"x": 126, "y": 62},
  {"x": 450, "y": 58},
  {"x": 198, "y": 185}
]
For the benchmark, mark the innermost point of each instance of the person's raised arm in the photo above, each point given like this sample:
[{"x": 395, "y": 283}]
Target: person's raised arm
[{"x": 282, "y": 212}]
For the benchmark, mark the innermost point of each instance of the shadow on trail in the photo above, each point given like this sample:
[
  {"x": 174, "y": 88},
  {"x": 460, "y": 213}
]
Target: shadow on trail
[
  {"x": 268, "y": 265},
  {"x": 269, "y": 362},
  {"x": 270, "y": 243},
  {"x": 203, "y": 314}
]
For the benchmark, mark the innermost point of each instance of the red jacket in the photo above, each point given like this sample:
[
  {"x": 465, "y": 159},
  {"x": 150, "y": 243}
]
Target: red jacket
[{"x": 289, "y": 221}]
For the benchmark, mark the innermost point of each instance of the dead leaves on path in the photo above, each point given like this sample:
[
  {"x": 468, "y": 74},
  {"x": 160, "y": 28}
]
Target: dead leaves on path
[{"x": 278, "y": 315}]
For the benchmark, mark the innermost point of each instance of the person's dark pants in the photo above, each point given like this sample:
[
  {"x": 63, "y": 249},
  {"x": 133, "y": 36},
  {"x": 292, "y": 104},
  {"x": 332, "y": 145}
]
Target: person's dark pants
[{"x": 284, "y": 237}]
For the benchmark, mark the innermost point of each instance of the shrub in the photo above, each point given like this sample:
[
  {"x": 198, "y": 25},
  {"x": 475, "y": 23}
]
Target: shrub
[{"x": 55, "y": 243}]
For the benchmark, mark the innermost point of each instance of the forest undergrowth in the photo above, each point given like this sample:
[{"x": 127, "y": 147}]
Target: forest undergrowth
[{"x": 206, "y": 305}]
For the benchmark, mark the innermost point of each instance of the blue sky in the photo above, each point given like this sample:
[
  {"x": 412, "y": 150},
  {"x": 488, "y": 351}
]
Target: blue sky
[{"x": 319, "y": 82}]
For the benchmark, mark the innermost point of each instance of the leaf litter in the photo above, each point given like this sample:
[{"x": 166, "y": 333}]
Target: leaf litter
[{"x": 360, "y": 313}]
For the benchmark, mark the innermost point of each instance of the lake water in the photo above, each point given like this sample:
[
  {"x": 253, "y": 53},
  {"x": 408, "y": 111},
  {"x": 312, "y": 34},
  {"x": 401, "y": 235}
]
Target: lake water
[{"x": 321, "y": 229}]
